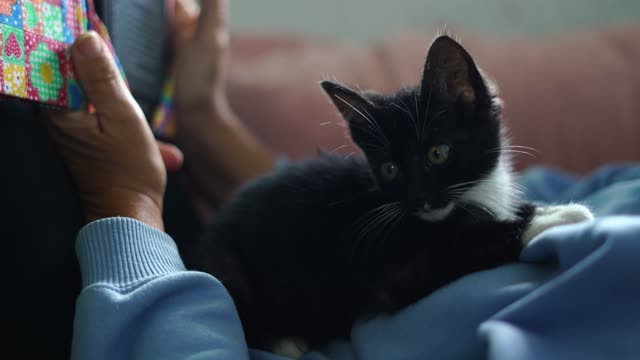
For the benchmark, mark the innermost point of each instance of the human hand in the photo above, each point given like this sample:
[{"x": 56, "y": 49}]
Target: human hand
[
  {"x": 111, "y": 153},
  {"x": 201, "y": 42},
  {"x": 221, "y": 152}
]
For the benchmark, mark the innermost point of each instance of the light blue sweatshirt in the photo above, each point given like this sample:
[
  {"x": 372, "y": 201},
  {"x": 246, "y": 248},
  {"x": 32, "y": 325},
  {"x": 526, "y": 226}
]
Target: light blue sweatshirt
[
  {"x": 139, "y": 302},
  {"x": 573, "y": 295}
]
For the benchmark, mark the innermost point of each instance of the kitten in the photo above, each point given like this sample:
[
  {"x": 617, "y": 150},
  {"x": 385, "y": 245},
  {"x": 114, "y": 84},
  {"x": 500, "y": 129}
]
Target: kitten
[{"x": 315, "y": 246}]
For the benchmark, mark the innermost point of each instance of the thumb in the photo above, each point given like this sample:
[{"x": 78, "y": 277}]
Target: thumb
[
  {"x": 184, "y": 20},
  {"x": 98, "y": 75},
  {"x": 185, "y": 12},
  {"x": 213, "y": 18}
]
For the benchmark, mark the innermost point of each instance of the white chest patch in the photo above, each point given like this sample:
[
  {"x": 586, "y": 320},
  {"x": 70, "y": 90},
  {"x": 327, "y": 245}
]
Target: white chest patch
[{"x": 497, "y": 194}]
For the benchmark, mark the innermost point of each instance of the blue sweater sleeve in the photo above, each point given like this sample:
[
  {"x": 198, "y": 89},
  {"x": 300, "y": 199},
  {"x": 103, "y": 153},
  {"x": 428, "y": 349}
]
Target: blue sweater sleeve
[{"x": 139, "y": 302}]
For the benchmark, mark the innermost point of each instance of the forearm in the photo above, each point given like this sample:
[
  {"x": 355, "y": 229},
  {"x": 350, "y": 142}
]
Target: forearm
[
  {"x": 139, "y": 302},
  {"x": 221, "y": 154}
]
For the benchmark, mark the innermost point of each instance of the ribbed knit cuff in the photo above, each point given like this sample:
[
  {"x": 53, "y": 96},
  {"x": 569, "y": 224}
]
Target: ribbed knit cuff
[{"x": 123, "y": 251}]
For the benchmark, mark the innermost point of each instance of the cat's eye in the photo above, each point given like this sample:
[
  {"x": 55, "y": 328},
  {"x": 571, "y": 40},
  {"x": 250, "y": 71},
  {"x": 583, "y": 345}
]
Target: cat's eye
[
  {"x": 389, "y": 171},
  {"x": 438, "y": 155}
]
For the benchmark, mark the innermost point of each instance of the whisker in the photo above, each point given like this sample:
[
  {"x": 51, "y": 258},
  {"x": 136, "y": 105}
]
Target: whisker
[
  {"x": 497, "y": 184},
  {"x": 485, "y": 210},
  {"x": 414, "y": 120},
  {"x": 508, "y": 151},
  {"x": 426, "y": 113},
  {"x": 364, "y": 224},
  {"x": 340, "y": 147},
  {"x": 516, "y": 149},
  {"x": 520, "y": 147},
  {"x": 395, "y": 219},
  {"x": 432, "y": 120},
  {"x": 520, "y": 187},
  {"x": 381, "y": 221},
  {"x": 371, "y": 212},
  {"x": 373, "y": 224},
  {"x": 374, "y": 125},
  {"x": 465, "y": 207},
  {"x": 463, "y": 184},
  {"x": 374, "y": 150},
  {"x": 415, "y": 101},
  {"x": 382, "y": 141},
  {"x": 406, "y": 110}
]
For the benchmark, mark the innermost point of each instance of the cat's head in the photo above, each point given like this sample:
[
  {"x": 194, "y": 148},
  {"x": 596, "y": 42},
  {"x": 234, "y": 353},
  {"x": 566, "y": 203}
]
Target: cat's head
[{"x": 436, "y": 145}]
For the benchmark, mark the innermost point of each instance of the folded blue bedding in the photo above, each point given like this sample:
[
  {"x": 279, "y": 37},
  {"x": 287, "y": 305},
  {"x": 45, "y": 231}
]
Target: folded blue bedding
[{"x": 575, "y": 294}]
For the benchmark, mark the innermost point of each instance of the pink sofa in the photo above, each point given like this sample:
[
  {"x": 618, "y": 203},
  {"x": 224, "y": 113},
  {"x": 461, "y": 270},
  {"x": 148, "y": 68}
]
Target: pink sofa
[{"x": 575, "y": 98}]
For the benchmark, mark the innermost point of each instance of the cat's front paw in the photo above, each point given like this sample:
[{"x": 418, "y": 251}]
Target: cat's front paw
[
  {"x": 292, "y": 348},
  {"x": 550, "y": 216}
]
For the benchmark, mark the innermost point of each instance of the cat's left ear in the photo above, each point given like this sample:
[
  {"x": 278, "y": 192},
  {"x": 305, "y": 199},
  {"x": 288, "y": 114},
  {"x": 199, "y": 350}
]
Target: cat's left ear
[
  {"x": 353, "y": 106},
  {"x": 450, "y": 70}
]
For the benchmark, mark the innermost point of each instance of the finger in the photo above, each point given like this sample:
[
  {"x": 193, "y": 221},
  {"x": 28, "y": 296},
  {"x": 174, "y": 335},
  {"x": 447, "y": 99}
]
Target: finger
[
  {"x": 171, "y": 156},
  {"x": 212, "y": 26},
  {"x": 184, "y": 19},
  {"x": 98, "y": 74},
  {"x": 185, "y": 11}
]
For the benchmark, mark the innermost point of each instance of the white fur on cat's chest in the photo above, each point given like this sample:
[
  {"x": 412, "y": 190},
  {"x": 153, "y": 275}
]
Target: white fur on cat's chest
[{"x": 499, "y": 195}]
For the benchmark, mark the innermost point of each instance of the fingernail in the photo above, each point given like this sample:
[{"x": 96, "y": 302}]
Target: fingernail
[{"x": 88, "y": 45}]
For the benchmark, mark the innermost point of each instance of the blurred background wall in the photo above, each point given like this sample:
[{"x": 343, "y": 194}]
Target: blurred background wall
[{"x": 366, "y": 20}]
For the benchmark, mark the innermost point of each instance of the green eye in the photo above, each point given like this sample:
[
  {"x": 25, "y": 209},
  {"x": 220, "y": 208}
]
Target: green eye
[
  {"x": 389, "y": 171},
  {"x": 438, "y": 154}
]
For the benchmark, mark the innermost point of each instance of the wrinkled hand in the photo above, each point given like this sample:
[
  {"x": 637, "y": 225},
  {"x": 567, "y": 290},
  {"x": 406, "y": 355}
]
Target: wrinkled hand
[
  {"x": 201, "y": 42},
  {"x": 111, "y": 153},
  {"x": 221, "y": 152}
]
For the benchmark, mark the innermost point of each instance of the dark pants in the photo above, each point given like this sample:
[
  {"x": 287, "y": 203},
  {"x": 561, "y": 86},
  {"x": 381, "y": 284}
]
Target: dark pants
[{"x": 40, "y": 217}]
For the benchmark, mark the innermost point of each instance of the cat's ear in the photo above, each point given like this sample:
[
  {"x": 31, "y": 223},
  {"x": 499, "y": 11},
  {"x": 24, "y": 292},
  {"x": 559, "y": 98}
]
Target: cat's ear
[
  {"x": 450, "y": 70},
  {"x": 353, "y": 106}
]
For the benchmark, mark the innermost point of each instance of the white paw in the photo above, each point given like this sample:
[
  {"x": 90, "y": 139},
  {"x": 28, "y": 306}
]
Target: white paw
[
  {"x": 548, "y": 217},
  {"x": 291, "y": 348}
]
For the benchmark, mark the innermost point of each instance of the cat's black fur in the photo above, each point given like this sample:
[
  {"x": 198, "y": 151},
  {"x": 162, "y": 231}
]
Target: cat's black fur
[{"x": 315, "y": 246}]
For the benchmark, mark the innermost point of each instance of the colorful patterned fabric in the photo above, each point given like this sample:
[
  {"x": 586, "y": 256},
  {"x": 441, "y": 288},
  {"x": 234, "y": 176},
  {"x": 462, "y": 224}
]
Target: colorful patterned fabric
[
  {"x": 163, "y": 122},
  {"x": 35, "y": 36}
]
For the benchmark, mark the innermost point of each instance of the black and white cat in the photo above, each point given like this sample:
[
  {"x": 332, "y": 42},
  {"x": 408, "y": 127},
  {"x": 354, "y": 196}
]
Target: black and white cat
[{"x": 315, "y": 246}]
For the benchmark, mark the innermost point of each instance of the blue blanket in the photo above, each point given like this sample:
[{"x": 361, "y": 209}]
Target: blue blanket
[{"x": 575, "y": 294}]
